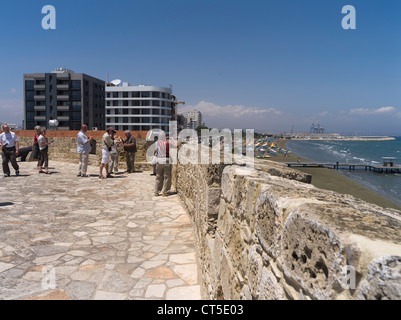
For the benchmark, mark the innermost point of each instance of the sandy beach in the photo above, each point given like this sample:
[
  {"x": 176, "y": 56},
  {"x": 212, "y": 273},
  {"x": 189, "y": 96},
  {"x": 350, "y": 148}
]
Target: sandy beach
[{"x": 330, "y": 179}]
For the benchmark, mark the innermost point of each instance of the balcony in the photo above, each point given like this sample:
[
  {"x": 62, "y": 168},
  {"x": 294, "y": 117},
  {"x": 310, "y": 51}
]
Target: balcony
[
  {"x": 63, "y": 76},
  {"x": 40, "y": 118},
  {"x": 63, "y": 108},
  {"x": 63, "y": 87},
  {"x": 40, "y": 98},
  {"x": 40, "y": 108},
  {"x": 39, "y": 87},
  {"x": 64, "y": 118},
  {"x": 63, "y": 97}
]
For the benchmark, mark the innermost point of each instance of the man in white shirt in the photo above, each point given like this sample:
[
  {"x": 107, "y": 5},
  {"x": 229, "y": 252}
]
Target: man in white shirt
[
  {"x": 83, "y": 149},
  {"x": 10, "y": 150}
]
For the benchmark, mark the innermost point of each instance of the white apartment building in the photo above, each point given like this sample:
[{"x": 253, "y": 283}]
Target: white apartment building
[
  {"x": 194, "y": 119},
  {"x": 138, "y": 108}
]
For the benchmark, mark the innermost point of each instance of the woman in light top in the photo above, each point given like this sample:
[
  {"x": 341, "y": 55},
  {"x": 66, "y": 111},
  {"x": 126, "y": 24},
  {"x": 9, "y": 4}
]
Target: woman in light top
[{"x": 44, "y": 152}]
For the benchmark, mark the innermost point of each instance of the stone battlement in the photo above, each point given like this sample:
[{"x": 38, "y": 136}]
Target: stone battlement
[{"x": 264, "y": 233}]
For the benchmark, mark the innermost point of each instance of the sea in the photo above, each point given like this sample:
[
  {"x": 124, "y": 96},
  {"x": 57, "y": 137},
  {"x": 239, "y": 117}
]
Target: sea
[{"x": 357, "y": 152}]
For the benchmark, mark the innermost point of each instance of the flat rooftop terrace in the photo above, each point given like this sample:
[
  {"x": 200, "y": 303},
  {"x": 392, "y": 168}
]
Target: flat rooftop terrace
[{"x": 66, "y": 237}]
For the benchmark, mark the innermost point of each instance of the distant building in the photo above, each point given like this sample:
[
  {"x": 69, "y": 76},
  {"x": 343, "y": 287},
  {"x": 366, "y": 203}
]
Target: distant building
[
  {"x": 181, "y": 122},
  {"x": 138, "y": 108},
  {"x": 71, "y": 98},
  {"x": 194, "y": 119}
]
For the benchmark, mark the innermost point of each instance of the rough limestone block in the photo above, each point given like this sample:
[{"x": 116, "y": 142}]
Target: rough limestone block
[
  {"x": 227, "y": 275},
  {"x": 282, "y": 170},
  {"x": 271, "y": 209},
  {"x": 217, "y": 254},
  {"x": 212, "y": 200},
  {"x": 319, "y": 241},
  {"x": 227, "y": 181},
  {"x": 383, "y": 280},
  {"x": 254, "y": 271},
  {"x": 268, "y": 288}
]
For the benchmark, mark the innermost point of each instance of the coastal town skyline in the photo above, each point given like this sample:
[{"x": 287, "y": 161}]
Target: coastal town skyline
[{"x": 272, "y": 66}]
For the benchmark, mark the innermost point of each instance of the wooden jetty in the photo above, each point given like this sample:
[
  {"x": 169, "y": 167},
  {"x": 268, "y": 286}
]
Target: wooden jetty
[{"x": 348, "y": 166}]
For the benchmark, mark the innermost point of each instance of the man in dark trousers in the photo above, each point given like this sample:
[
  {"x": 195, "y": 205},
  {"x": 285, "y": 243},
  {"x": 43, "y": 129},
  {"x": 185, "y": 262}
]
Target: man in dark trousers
[
  {"x": 130, "y": 149},
  {"x": 10, "y": 150}
]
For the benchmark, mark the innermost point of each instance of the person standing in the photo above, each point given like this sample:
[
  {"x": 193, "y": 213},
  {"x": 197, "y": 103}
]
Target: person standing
[
  {"x": 107, "y": 142},
  {"x": 163, "y": 168},
  {"x": 83, "y": 149},
  {"x": 44, "y": 152},
  {"x": 114, "y": 153},
  {"x": 10, "y": 150},
  {"x": 35, "y": 147},
  {"x": 130, "y": 149}
]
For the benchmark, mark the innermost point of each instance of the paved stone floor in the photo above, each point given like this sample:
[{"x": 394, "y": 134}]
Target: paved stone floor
[{"x": 64, "y": 237}]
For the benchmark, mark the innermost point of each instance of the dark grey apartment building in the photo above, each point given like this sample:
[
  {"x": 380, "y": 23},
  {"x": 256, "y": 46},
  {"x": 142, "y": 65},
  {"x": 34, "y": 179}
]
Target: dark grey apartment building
[{"x": 71, "y": 98}]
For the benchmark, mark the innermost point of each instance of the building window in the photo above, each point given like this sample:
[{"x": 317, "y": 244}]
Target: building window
[
  {"x": 76, "y": 106},
  {"x": 145, "y": 103},
  {"x": 155, "y": 94},
  {"x": 145, "y": 94},
  {"x": 136, "y": 94},
  {"x": 76, "y": 116},
  {"x": 115, "y": 94},
  {"x": 30, "y": 116},
  {"x": 29, "y": 84},
  {"x": 155, "y": 103},
  {"x": 125, "y": 94},
  {"x": 136, "y": 103},
  {"x": 30, "y": 105},
  {"x": 76, "y": 95},
  {"x": 115, "y": 103},
  {"x": 29, "y": 95},
  {"x": 75, "y": 84}
]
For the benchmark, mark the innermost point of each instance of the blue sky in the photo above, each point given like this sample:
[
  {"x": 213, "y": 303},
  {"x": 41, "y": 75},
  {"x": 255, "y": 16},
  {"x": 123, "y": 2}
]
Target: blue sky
[{"x": 268, "y": 65}]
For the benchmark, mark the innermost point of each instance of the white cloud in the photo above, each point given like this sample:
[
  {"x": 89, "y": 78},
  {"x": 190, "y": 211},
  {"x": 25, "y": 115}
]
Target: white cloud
[
  {"x": 210, "y": 109},
  {"x": 365, "y": 111},
  {"x": 233, "y": 116}
]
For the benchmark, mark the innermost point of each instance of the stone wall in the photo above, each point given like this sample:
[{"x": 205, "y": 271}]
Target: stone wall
[
  {"x": 264, "y": 233},
  {"x": 65, "y": 147}
]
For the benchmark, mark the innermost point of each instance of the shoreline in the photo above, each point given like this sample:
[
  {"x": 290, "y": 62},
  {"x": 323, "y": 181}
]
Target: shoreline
[{"x": 334, "y": 180}]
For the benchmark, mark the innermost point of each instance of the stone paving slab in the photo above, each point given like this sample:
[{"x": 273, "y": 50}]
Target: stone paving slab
[{"x": 65, "y": 237}]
